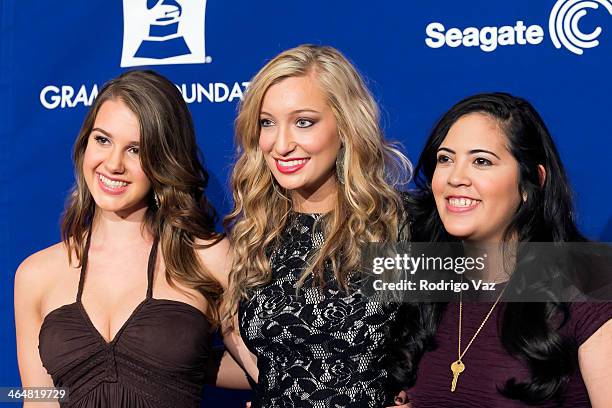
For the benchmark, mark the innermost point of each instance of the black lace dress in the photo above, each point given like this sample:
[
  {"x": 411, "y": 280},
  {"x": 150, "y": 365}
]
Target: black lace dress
[{"x": 321, "y": 347}]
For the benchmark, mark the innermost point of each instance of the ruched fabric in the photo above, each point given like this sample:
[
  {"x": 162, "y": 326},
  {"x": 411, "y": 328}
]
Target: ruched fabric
[{"x": 161, "y": 357}]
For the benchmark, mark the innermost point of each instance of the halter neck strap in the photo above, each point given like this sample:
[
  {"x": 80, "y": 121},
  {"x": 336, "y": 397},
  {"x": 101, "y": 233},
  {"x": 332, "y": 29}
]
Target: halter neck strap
[
  {"x": 84, "y": 266},
  {"x": 150, "y": 267}
]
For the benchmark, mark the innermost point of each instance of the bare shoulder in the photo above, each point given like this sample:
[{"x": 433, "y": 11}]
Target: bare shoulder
[
  {"x": 595, "y": 359},
  {"x": 601, "y": 339},
  {"x": 38, "y": 270},
  {"x": 216, "y": 259},
  {"x": 43, "y": 264}
]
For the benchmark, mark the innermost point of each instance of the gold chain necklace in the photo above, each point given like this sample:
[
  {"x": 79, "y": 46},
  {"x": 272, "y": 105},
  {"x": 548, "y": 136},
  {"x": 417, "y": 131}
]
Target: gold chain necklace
[{"x": 457, "y": 367}]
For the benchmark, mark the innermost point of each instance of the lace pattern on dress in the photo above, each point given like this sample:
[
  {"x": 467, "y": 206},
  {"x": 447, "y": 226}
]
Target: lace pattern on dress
[{"x": 318, "y": 347}]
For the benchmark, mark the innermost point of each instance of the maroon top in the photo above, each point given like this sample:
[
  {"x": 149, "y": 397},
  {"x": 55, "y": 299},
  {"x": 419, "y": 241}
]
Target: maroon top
[
  {"x": 487, "y": 365},
  {"x": 161, "y": 357}
]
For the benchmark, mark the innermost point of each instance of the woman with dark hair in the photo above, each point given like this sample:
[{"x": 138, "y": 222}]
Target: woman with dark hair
[
  {"x": 490, "y": 175},
  {"x": 122, "y": 311}
]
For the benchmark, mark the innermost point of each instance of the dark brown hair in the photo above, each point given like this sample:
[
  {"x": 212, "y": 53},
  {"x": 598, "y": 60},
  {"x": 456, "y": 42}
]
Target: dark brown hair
[{"x": 170, "y": 158}]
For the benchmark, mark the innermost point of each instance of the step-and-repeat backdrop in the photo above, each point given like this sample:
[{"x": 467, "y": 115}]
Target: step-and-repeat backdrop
[{"x": 419, "y": 57}]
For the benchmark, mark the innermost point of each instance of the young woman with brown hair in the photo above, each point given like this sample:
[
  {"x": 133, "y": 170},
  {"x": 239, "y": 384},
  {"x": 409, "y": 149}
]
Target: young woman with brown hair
[{"x": 122, "y": 311}]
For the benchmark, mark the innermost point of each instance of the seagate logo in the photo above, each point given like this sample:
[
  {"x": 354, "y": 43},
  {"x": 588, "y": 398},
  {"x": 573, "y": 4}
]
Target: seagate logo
[
  {"x": 563, "y": 26},
  {"x": 161, "y": 32}
]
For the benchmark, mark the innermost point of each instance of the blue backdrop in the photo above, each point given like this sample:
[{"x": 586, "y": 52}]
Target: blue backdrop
[{"x": 419, "y": 58}]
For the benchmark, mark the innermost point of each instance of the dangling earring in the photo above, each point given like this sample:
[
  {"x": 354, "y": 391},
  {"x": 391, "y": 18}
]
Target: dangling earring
[
  {"x": 156, "y": 199},
  {"x": 524, "y": 197},
  {"x": 340, "y": 165}
]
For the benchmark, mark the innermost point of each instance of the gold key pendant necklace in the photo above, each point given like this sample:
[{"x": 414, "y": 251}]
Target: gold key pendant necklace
[{"x": 457, "y": 367}]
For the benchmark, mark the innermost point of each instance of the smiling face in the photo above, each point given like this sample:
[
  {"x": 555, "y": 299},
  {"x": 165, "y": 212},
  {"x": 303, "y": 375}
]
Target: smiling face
[
  {"x": 476, "y": 180},
  {"x": 299, "y": 139},
  {"x": 111, "y": 165}
]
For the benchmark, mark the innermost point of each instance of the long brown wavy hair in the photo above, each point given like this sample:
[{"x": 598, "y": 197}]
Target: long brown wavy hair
[
  {"x": 170, "y": 158},
  {"x": 368, "y": 205}
]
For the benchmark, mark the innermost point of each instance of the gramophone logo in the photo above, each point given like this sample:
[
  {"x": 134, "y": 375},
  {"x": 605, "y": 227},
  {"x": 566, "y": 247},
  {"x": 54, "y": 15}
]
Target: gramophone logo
[{"x": 162, "y": 32}]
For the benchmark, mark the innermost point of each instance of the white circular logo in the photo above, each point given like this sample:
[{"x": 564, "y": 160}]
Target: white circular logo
[{"x": 563, "y": 24}]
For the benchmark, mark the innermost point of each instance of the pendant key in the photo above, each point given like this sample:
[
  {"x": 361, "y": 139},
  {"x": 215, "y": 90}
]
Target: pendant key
[{"x": 457, "y": 368}]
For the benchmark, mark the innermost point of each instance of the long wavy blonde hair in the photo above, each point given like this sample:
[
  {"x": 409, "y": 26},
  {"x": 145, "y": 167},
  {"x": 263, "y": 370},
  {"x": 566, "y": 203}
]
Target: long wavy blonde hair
[
  {"x": 170, "y": 158},
  {"x": 368, "y": 207}
]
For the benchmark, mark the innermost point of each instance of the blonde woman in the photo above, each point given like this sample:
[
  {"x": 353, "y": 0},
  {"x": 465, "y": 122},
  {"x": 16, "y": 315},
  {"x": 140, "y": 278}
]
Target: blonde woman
[{"x": 314, "y": 182}]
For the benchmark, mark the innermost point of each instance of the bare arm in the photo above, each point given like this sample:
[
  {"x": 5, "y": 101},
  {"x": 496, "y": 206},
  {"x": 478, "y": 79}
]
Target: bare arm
[
  {"x": 231, "y": 375},
  {"x": 218, "y": 261},
  {"x": 234, "y": 344},
  {"x": 595, "y": 359},
  {"x": 28, "y": 290}
]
